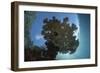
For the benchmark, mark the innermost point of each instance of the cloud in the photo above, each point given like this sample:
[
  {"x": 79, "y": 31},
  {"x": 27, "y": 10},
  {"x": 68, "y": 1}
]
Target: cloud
[{"x": 38, "y": 37}]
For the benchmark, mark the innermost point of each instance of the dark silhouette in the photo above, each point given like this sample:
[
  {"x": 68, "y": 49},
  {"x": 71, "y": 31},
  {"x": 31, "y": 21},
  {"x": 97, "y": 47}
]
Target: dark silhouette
[{"x": 59, "y": 36}]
